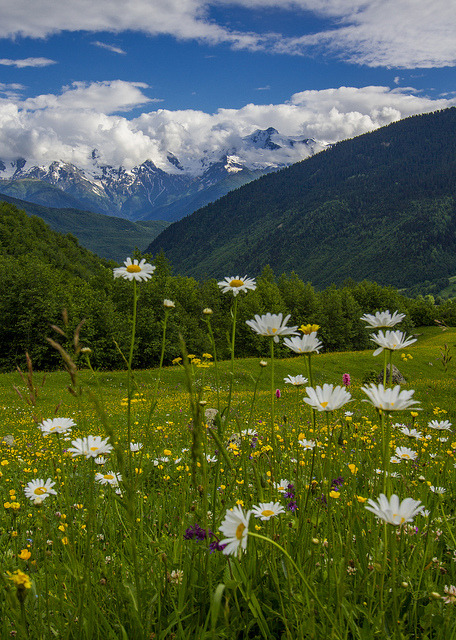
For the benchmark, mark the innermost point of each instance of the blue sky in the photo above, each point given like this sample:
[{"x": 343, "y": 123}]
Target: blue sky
[{"x": 140, "y": 78}]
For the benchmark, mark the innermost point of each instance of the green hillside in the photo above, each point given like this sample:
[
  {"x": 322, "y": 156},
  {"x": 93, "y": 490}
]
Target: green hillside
[
  {"x": 107, "y": 236},
  {"x": 380, "y": 206}
]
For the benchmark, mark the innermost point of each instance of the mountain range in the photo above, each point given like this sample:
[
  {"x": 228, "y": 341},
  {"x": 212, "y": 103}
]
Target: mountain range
[
  {"x": 381, "y": 206},
  {"x": 147, "y": 192}
]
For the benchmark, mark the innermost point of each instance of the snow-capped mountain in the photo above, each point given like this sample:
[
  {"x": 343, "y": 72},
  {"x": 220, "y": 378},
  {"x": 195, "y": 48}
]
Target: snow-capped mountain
[{"x": 147, "y": 191}]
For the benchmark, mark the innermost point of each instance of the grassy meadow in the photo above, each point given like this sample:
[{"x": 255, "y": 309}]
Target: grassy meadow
[{"x": 130, "y": 546}]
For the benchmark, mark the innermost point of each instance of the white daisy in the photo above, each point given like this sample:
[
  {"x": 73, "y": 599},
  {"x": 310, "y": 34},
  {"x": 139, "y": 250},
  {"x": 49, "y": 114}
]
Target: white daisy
[
  {"x": 267, "y": 510},
  {"x": 237, "y": 284},
  {"x": 327, "y": 398},
  {"x": 297, "y": 381},
  {"x": 282, "y": 486},
  {"x": 383, "y": 319},
  {"x": 111, "y": 478},
  {"x": 389, "y": 399},
  {"x": 236, "y": 528},
  {"x": 307, "y": 444},
  {"x": 100, "y": 460},
  {"x": 411, "y": 433},
  {"x": 37, "y": 490},
  {"x": 168, "y": 304},
  {"x": 439, "y": 490},
  {"x": 440, "y": 425},
  {"x": 271, "y": 324},
  {"x": 56, "y": 425},
  {"x": 391, "y": 341},
  {"x": 392, "y": 511},
  {"x": 404, "y": 453},
  {"x": 307, "y": 343},
  {"x": 134, "y": 270},
  {"x": 136, "y": 446},
  {"x": 90, "y": 447}
]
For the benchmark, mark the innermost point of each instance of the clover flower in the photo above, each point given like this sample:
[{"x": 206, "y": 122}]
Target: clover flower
[
  {"x": 394, "y": 512},
  {"x": 383, "y": 319},
  {"x": 134, "y": 270},
  {"x": 272, "y": 325},
  {"x": 237, "y": 284},
  {"x": 450, "y": 597},
  {"x": 327, "y": 398}
]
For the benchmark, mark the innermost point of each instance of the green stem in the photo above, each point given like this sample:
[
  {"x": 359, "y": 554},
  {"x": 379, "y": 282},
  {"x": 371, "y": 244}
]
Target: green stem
[
  {"x": 233, "y": 336},
  {"x": 129, "y": 376}
]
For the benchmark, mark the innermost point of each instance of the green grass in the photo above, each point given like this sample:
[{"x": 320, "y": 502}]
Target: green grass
[{"x": 128, "y": 565}]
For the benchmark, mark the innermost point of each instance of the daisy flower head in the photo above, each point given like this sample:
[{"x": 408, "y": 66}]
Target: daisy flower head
[
  {"x": 134, "y": 270},
  {"x": 297, "y": 381},
  {"x": 391, "y": 341},
  {"x": 394, "y": 512},
  {"x": 267, "y": 510},
  {"x": 90, "y": 447},
  {"x": 404, "y": 453},
  {"x": 56, "y": 425},
  {"x": 272, "y": 324},
  {"x": 282, "y": 486},
  {"x": 111, "y": 478},
  {"x": 440, "y": 425},
  {"x": 327, "y": 398},
  {"x": 168, "y": 304},
  {"x": 236, "y": 528},
  {"x": 382, "y": 319},
  {"x": 237, "y": 284},
  {"x": 389, "y": 399},
  {"x": 439, "y": 490},
  {"x": 136, "y": 446},
  {"x": 411, "y": 433},
  {"x": 307, "y": 343},
  {"x": 37, "y": 490},
  {"x": 307, "y": 444}
]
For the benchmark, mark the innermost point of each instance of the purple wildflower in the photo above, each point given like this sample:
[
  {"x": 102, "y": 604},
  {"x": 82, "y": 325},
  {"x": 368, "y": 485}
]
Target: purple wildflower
[{"x": 346, "y": 380}]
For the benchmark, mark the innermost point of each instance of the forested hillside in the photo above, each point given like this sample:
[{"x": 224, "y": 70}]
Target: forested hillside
[
  {"x": 381, "y": 206},
  {"x": 43, "y": 272}
]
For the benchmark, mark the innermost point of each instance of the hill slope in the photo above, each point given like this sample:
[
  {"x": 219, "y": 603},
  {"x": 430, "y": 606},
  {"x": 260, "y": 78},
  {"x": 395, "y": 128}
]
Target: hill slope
[
  {"x": 381, "y": 206},
  {"x": 107, "y": 236}
]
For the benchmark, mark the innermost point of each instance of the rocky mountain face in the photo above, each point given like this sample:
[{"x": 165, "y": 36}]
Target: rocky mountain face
[{"x": 148, "y": 192}]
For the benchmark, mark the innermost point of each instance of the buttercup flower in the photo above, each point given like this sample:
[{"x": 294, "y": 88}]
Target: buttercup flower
[
  {"x": 308, "y": 343},
  {"x": 389, "y": 399},
  {"x": 392, "y": 511},
  {"x": 383, "y": 319},
  {"x": 56, "y": 425},
  {"x": 37, "y": 490},
  {"x": 90, "y": 447},
  {"x": 111, "y": 478},
  {"x": 134, "y": 270},
  {"x": 271, "y": 324},
  {"x": 237, "y": 284},
  {"x": 267, "y": 510},
  {"x": 309, "y": 328},
  {"x": 327, "y": 398},
  {"x": 236, "y": 528},
  {"x": 391, "y": 340},
  {"x": 297, "y": 381}
]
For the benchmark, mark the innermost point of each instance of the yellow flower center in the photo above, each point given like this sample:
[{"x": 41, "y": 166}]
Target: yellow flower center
[
  {"x": 267, "y": 513},
  {"x": 108, "y": 476},
  {"x": 39, "y": 491},
  {"x": 94, "y": 448},
  {"x": 52, "y": 428},
  {"x": 133, "y": 268},
  {"x": 236, "y": 283},
  {"x": 239, "y": 530},
  {"x": 324, "y": 404}
]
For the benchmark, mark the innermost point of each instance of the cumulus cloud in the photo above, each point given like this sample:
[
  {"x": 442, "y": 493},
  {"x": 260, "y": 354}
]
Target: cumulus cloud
[
  {"x": 108, "y": 47},
  {"x": 391, "y": 33},
  {"x": 27, "y": 62},
  {"x": 84, "y": 117}
]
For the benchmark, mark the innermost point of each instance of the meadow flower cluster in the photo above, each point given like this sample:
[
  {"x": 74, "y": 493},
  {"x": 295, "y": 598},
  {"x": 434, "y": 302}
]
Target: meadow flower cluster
[{"x": 219, "y": 505}]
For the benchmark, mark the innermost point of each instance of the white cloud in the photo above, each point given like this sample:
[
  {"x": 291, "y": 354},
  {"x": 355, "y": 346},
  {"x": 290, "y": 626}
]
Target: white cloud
[
  {"x": 27, "y": 62},
  {"x": 70, "y": 125},
  {"x": 391, "y": 33},
  {"x": 108, "y": 47}
]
